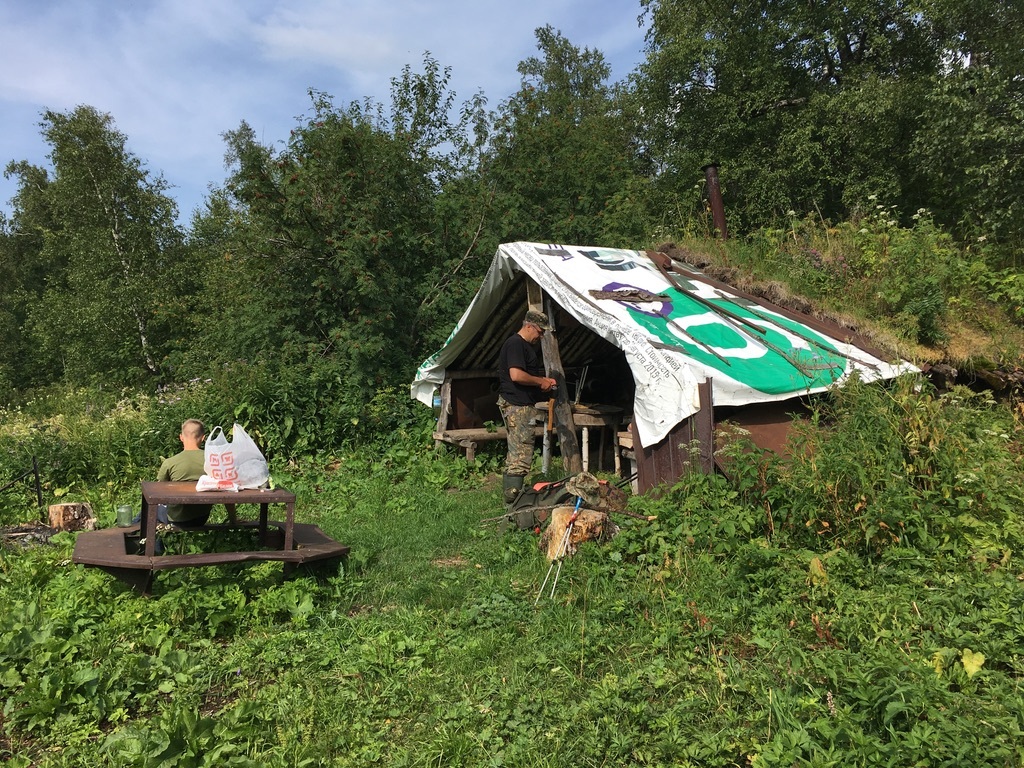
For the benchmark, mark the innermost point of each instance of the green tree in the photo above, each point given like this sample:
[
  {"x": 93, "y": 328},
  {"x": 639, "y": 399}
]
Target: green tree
[
  {"x": 561, "y": 149},
  {"x": 23, "y": 275},
  {"x": 316, "y": 255},
  {"x": 339, "y": 220},
  {"x": 971, "y": 140},
  {"x": 102, "y": 249},
  {"x": 357, "y": 219},
  {"x": 804, "y": 104},
  {"x": 451, "y": 146}
]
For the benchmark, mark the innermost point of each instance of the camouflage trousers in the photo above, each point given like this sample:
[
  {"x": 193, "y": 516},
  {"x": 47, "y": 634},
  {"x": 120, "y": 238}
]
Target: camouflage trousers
[{"x": 518, "y": 423}]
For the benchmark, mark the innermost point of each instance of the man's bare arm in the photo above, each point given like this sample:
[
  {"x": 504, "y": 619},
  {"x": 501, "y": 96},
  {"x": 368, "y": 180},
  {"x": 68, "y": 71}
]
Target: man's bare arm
[{"x": 519, "y": 376}]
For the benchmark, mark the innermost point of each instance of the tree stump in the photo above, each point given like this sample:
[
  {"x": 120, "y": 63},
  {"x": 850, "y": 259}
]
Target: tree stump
[
  {"x": 75, "y": 516},
  {"x": 589, "y": 526}
]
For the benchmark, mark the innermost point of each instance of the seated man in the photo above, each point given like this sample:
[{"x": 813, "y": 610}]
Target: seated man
[{"x": 185, "y": 465}]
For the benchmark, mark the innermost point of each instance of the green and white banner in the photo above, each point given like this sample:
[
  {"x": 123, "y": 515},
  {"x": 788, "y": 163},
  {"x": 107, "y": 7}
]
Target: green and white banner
[{"x": 675, "y": 329}]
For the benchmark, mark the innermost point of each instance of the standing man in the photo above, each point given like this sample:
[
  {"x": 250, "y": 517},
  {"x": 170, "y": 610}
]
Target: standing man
[
  {"x": 187, "y": 464},
  {"x": 521, "y": 384}
]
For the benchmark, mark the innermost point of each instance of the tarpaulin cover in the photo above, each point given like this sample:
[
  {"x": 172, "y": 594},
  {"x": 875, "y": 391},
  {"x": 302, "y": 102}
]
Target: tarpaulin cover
[{"x": 753, "y": 354}]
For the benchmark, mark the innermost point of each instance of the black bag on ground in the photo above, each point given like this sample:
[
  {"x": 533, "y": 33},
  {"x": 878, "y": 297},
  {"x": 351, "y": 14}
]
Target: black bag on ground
[{"x": 533, "y": 505}]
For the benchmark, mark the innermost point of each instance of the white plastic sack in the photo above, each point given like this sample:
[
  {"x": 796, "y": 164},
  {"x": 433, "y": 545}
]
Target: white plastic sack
[{"x": 238, "y": 461}]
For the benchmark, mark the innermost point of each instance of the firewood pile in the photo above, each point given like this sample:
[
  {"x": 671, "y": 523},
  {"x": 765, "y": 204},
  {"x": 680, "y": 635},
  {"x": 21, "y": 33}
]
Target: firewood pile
[
  {"x": 75, "y": 516},
  {"x": 26, "y": 534}
]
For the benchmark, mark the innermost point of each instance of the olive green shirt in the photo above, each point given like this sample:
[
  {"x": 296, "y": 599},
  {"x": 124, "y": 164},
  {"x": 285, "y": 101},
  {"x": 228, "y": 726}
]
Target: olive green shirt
[{"x": 186, "y": 465}]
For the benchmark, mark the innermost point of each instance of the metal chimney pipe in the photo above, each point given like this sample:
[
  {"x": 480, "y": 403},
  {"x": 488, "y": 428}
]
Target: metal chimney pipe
[{"x": 715, "y": 196}]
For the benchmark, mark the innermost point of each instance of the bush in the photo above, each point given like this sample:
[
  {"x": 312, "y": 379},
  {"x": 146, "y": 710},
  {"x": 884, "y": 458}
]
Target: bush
[
  {"x": 82, "y": 439},
  {"x": 881, "y": 466}
]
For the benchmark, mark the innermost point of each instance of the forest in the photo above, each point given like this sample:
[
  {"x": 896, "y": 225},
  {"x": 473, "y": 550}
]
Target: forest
[
  {"x": 858, "y": 604},
  {"x": 374, "y": 222}
]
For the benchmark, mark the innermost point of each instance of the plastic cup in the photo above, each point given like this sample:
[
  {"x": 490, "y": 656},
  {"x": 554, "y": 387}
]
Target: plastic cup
[{"x": 124, "y": 516}]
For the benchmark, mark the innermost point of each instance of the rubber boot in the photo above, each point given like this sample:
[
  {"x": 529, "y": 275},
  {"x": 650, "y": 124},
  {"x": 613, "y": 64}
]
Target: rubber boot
[{"x": 511, "y": 486}]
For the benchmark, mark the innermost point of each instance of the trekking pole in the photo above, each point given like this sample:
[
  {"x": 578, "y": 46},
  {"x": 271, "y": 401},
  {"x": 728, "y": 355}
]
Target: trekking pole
[
  {"x": 548, "y": 575},
  {"x": 563, "y": 547}
]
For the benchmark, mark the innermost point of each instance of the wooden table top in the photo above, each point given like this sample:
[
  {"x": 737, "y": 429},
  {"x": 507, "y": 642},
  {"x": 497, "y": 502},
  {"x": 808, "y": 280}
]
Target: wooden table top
[{"x": 185, "y": 493}]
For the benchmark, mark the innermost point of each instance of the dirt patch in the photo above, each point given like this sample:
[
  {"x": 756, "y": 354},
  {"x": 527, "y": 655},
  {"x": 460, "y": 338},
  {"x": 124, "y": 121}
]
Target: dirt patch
[
  {"x": 26, "y": 534},
  {"x": 450, "y": 562}
]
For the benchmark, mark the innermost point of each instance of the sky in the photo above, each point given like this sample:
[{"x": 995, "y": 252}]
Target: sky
[{"x": 175, "y": 75}]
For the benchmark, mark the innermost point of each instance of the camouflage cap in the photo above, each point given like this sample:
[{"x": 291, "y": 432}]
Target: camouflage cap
[
  {"x": 587, "y": 486},
  {"x": 537, "y": 318}
]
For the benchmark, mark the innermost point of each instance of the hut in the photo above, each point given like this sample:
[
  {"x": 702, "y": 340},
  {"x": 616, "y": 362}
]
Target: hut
[{"x": 647, "y": 349}]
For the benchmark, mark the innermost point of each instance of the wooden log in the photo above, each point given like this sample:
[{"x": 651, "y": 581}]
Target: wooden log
[
  {"x": 476, "y": 434},
  {"x": 74, "y": 516},
  {"x": 589, "y": 526}
]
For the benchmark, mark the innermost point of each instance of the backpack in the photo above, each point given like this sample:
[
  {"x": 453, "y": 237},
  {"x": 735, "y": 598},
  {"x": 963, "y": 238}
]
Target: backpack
[{"x": 533, "y": 505}]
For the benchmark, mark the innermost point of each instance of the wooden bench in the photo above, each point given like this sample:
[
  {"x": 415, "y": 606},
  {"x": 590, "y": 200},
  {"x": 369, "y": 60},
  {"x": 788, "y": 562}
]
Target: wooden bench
[
  {"x": 468, "y": 439},
  {"x": 469, "y": 402},
  {"x": 115, "y": 550}
]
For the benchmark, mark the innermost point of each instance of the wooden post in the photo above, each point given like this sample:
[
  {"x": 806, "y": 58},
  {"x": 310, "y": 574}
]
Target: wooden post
[
  {"x": 446, "y": 406},
  {"x": 564, "y": 423},
  {"x": 706, "y": 426},
  {"x": 534, "y": 296},
  {"x": 715, "y": 198}
]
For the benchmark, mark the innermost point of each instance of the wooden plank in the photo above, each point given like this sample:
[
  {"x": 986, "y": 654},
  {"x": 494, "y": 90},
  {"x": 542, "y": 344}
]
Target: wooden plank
[
  {"x": 107, "y": 549},
  {"x": 456, "y": 436},
  {"x": 572, "y": 461},
  {"x": 185, "y": 493}
]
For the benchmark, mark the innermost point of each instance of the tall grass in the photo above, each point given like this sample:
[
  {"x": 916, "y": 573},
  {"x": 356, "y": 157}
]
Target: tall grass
[{"x": 897, "y": 276}]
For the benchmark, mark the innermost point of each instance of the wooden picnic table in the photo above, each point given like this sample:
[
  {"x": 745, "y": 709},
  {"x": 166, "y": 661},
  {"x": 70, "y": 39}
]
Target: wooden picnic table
[
  {"x": 156, "y": 493},
  {"x": 116, "y": 550}
]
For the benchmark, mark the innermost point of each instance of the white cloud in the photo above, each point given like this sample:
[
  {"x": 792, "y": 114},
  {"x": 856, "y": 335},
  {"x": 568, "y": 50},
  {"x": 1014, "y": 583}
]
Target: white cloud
[{"x": 176, "y": 74}]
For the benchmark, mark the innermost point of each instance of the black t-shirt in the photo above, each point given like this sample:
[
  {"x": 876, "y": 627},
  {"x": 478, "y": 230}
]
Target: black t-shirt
[{"x": 517, "y": 352}]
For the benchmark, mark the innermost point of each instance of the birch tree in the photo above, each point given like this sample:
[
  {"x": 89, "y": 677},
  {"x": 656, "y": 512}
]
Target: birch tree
[{"x": 109, "y": 249}]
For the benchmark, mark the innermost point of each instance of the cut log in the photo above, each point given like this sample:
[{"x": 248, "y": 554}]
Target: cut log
[
  {"x": 589, "y": 526},
  {"x": 75, "y": 516}
]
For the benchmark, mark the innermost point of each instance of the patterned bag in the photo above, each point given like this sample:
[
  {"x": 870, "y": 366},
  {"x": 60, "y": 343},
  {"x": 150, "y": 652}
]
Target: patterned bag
[{"x": 239, "y": 461}]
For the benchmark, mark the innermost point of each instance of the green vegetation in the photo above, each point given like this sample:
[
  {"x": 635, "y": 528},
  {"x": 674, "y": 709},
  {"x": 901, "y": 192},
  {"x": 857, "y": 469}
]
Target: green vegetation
[
  {"x": 857, "y": 604},
  {"x": 894, "y": 128}
]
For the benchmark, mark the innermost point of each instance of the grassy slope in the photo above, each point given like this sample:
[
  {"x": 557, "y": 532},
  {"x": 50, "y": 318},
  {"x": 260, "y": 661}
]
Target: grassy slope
[
  {"x": 975, "y": 333},
  {"x": 694, "y": 640},
  {"x": 657, "y": 649}
]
